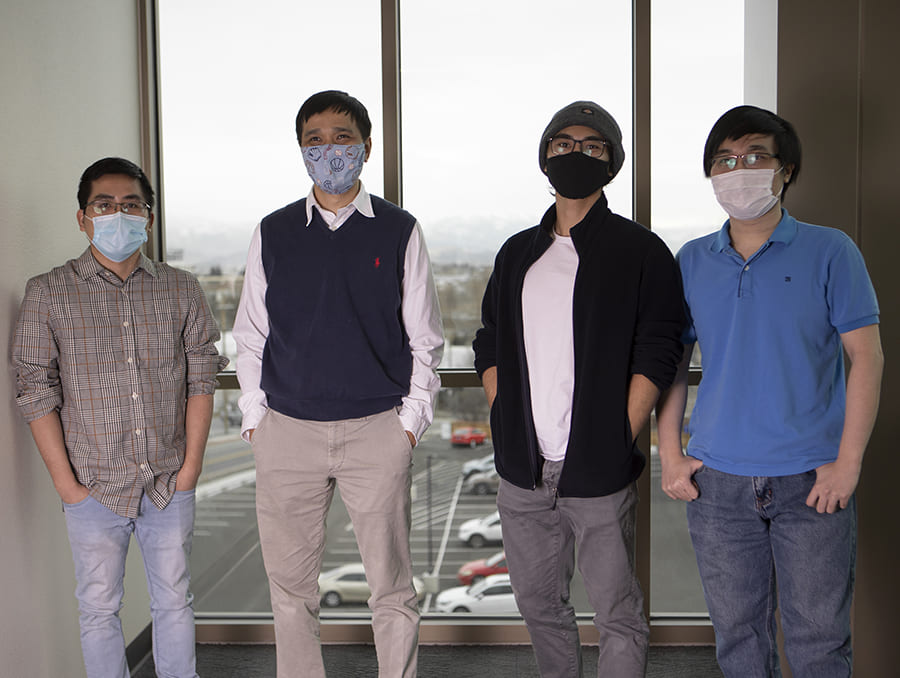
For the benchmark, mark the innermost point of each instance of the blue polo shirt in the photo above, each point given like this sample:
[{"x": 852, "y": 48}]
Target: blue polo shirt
[{"x": 772, "y": 398}]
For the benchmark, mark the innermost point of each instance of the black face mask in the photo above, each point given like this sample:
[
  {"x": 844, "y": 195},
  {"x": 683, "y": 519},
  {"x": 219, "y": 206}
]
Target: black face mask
[{"x": 576, "y": 175}]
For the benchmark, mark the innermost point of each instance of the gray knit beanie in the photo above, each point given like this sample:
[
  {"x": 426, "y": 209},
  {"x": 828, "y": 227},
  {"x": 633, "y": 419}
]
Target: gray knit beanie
[{"x": 591, "y": 115}]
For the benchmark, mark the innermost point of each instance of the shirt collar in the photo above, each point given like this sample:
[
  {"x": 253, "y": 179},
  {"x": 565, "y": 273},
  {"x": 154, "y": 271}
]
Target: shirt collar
[
  {"x": 784, "y": 232},
  {"x": 362, "y": 203},
  {"x": 86, "y": 265}
]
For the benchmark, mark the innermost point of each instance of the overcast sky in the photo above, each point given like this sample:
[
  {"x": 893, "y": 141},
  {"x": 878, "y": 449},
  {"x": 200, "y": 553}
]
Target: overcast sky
[{"x": 480, "y": 81}]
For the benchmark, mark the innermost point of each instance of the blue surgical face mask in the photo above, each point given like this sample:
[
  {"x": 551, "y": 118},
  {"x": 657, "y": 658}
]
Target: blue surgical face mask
[
  {"x": 333, "y": 167},
  {"x": 117, "y": 236}
]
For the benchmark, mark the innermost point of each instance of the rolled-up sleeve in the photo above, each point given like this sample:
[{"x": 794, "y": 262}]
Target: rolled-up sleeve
[
  {"x": 35, "y": 355},
  {"x": 200, "y": 337}
]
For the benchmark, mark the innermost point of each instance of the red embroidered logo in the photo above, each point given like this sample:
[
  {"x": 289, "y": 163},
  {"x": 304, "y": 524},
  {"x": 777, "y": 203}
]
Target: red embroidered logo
[{"x": 377, "y": 262}]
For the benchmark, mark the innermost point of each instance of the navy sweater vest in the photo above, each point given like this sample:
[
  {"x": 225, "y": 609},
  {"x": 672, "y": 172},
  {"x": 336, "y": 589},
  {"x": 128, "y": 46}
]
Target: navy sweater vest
[{"x": 337, "y": 347}]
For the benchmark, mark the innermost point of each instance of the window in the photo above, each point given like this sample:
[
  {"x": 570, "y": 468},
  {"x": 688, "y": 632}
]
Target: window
[
  {"x": 472, "y": 122},
  {"x": 479, "y": 82}
]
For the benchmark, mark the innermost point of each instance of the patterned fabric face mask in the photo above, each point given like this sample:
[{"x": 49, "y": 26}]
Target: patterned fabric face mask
[{"x": 333, "y": 167}]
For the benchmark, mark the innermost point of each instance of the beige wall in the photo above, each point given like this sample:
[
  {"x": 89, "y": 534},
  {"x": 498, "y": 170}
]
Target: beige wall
[
  {"x": 68, "y": 77},
  {"x": 837, "y": 82}
]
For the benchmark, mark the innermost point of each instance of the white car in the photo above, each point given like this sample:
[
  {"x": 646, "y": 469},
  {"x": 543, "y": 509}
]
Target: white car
[
  {"x": 479, "y": 531},
  {"x": 481, "y": 484},
  {"x": 492, "y": 595},
  {"x": 480, "y": 465},
  {"x": 347, "y": 584}
]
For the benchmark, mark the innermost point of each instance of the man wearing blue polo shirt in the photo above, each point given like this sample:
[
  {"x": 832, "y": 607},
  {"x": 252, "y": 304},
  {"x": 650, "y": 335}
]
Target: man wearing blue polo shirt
[{"x": 777, "y": 435}]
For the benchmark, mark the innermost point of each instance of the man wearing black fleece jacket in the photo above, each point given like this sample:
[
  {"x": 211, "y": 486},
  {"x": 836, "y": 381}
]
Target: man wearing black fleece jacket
[{"x": 582, "y": 319}]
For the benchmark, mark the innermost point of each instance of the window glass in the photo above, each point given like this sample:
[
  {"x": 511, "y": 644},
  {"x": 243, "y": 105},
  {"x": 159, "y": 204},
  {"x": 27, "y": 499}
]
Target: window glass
[
  {"x": 697, "y": 73},
  {"x": 706, "y": 57},
  {"x": 232, "y": 76},
  {"x": 477, "y": 94},
  {"x": 480, "y": 81}
]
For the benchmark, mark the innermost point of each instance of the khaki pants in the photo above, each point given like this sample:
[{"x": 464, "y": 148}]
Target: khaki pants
[{"x": 298, "y": 463}]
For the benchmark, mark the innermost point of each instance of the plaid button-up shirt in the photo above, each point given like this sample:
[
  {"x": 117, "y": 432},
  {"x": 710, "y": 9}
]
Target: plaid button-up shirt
[{"x": 118, "y": 360}]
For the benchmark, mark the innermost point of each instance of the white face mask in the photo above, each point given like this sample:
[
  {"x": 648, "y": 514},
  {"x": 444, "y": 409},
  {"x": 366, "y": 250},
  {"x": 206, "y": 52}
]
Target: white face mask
[{"x": 746, "y": 193}]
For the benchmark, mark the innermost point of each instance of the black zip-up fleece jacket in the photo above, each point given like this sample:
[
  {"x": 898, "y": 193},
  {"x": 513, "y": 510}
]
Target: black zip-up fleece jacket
[{"x": 627, "y": 319}]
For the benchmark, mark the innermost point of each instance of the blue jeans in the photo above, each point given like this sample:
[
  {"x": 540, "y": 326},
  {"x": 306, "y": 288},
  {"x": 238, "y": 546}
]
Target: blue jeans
[
  {"x": 99, "y": 539},
  {"x": 544, "y": 535},
  {"x": 753, "y": 534}
]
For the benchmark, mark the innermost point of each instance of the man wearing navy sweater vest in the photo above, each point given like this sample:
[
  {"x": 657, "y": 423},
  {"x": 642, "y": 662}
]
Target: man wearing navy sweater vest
[{"x": 338, "y": 334}]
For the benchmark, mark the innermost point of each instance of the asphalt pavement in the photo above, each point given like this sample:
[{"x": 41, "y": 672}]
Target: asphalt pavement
[{"x": 227, "y": 568}]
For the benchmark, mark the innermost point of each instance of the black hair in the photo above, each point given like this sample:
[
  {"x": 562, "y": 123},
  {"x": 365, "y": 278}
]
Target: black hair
[
  {"x": 744, "y": 120},
  {"x": 334, "y": 100},
  {"x": 113, "y": 166}
]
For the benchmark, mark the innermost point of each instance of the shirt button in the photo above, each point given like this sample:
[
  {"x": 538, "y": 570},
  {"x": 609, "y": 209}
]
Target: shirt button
[
  {"x": 134, "y": 396},
  {"x": 137, "y": 431},
  {"x": 143, "y": 466},
  {"x": 747, "y": 268},
  {"x": 130, "y": 360},
  {"x": 125, "y": 324}
]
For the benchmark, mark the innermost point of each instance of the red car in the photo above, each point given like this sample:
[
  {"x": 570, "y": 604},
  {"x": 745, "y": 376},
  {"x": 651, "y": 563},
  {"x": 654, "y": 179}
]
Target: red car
[
  {"x": 473, "y": 572},
  {"x": 468, "y": 436}
]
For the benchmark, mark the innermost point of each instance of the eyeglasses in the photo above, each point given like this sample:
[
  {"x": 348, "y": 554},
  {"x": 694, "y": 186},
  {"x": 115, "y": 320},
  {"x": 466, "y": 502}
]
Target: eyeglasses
[
  {"x": 103, "y": 207},
  {"x": 563, "y": 144},
  {"x": 726, "y": 163}
]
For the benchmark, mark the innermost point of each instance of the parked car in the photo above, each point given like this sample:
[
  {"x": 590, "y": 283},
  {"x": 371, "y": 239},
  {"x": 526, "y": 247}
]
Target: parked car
[
  {"x": 476, "y": 570},
  {"x": 479, "y": 531},
  {"x": 480, "y": 465},
  {"x": 466, "y": 435},
  {"x": 347, "y": 584},
  {"x": 492, "y": 595},
  {"x": 484, "y": 483}
]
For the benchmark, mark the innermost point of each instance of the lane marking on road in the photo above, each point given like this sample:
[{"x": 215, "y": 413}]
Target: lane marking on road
[
  {"x": 231, "y": 482},
  {"x": 426, "y": 604}
]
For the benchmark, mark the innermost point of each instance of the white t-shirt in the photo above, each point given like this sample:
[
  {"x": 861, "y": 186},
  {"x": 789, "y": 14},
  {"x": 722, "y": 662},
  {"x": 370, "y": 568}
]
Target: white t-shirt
[{"x": 549, "y": 344}]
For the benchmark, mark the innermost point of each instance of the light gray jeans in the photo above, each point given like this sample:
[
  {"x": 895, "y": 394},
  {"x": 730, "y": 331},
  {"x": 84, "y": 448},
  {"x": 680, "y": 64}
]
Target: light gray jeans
[
  {"x": 298, "y": 464},
  {"x": 100, "y": 540},
  {"x": 540, "y": 534}
]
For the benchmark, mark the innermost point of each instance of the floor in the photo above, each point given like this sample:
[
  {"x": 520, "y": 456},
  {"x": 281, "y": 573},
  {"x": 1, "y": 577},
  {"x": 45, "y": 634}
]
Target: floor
[{"x": 436, "y": 661}]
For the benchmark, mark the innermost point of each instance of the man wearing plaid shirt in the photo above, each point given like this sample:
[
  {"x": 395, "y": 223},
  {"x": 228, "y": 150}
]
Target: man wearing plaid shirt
[{"x": 116, "y": 361}]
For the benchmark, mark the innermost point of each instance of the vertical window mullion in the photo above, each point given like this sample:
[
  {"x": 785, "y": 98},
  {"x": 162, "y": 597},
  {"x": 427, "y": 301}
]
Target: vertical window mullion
[{"x": 390, "y": 83}]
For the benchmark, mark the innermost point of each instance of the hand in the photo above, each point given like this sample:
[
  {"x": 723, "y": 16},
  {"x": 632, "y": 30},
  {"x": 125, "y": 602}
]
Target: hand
[
  {"x": 678, "y": 478},
  {"x": 412, "y": 438},
  {"x": 835, "y": 484},
  {"x": 74, "y": 494},
  {"x": 250, "y": 434}
]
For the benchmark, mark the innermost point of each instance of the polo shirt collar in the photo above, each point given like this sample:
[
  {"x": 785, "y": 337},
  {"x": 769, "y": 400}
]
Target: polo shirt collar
[
  {"x": 362, "y": 203},
  {"x": 784, "y": 232}
]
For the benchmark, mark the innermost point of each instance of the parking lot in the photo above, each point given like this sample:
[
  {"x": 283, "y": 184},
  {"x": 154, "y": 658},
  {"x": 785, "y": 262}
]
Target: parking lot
[
  {"x": 228, "y": 573},
  {"x": 227, "y": 564}
]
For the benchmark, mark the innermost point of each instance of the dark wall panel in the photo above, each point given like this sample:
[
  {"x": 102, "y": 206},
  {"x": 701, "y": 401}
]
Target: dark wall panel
[{"x": 838, "y": 82}]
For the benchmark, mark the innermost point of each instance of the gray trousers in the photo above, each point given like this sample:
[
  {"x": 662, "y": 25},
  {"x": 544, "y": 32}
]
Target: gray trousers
[
  {"x": 541, "y": 532},
  {"x": 298, "y": 464}
]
